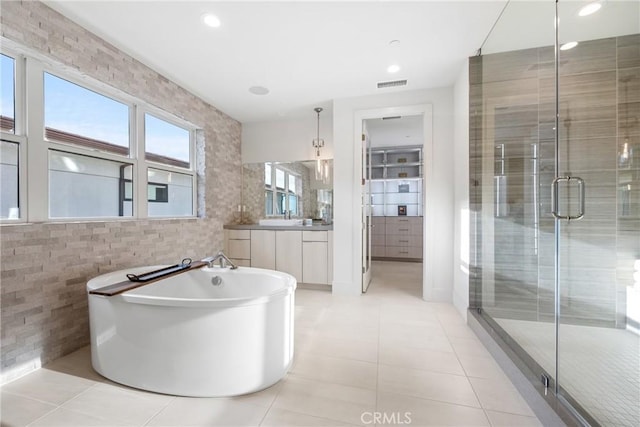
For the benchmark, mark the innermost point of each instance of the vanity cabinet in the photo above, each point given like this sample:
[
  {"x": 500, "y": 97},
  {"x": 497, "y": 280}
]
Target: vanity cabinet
[
  {"x": 305, "y": 254},
  {"x": 397, "y": 237},
  {"x": 263, "y": 249},
  {"x": 289, "y": 253}
]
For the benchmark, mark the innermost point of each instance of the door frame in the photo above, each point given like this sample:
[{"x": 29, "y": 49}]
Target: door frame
[{"x": 428, "y": 202}]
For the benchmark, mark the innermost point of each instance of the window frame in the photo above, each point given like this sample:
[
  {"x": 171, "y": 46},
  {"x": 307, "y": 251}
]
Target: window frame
[
  {"x": 19, "y": 135},
  {"x": 34, "y": 161}
]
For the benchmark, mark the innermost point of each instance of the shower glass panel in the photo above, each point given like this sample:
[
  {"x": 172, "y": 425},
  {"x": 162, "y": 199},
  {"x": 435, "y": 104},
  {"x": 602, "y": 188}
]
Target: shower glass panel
[
  {"x": 550, "y": 123},
  {"x": 598, "y": 141},
  {"x": 512, "y": 159}
]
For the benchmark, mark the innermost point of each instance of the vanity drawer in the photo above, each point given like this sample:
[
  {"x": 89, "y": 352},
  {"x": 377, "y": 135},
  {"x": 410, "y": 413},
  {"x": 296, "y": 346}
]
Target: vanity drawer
[
  {"x": 404, "y": 225},
  {"x": 403, "y": 252},
  {"x": 314, "y": 236},
  {"x": 378, "y": 240},
  {"x": 406, "y": 240},
  {"x": 239, "y": 234}
]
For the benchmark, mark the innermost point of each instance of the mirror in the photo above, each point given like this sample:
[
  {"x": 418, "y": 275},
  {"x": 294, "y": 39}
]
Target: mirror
[{"x": 273, "y": 189}]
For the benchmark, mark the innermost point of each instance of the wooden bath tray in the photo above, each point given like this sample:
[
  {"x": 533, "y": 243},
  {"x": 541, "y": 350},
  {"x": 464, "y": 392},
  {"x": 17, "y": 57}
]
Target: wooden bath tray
[{"x": 135, "y": 281}]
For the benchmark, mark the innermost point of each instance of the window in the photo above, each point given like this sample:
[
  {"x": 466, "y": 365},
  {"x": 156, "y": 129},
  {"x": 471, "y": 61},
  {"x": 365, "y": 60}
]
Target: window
[
  {"x": 76, "y": 115},
  {"x": 172, "y": 193},
  {"x": 9, "y": 177},
  {"x": 166, "y": 142},
  {"x": 7, "y": 94},
  {"x": 267, "y": 174},
  {"x": 87, "y": 187},
  {"x": 11, "y": 157},
  {"x": 285, "y": 195},
  {"x": 101, "y": 153}
]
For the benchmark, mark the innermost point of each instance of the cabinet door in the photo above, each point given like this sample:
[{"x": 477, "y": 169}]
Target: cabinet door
[
  {"x": 239, "y": 249},
  {"x": 314, "y": 262},
  {"x": 263, "y": 249},
  {"x": 289, "y": 253}
]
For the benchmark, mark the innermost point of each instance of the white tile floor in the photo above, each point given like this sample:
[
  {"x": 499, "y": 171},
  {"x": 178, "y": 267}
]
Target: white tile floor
[{"x": 387, "y": 352}]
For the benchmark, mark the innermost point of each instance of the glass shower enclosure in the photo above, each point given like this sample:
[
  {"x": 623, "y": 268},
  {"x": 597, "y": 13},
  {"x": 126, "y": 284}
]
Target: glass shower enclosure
[{"x": 555, "y": 198}]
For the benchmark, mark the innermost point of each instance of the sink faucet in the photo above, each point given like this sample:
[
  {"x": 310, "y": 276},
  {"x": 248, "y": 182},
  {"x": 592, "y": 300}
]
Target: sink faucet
[{"x": 222, "y": 259}]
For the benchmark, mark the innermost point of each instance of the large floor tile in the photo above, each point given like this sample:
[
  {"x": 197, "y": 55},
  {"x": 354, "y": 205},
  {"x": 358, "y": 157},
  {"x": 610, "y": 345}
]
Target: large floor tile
[
  {"x": 308, "y": 316},
  {"x": 422, "y": 341},
  {"x": 284, "y": 418},
  {"x": 65, "y": 418},
  {"x": 77, "y": 364},
  {"x": 49, "y": 386},
  {"x": 260, "y": 398},
  {"x": 355, "y": 349},
  {"x": 501, "y": 419},
  {"x": 336, "y": 370},
  {"x": 17, "y": 411},
  {"x": 500, "y": 395},
  {"x": 402, "y": 313},
  {"x": 427, "y": 385},
  {"x": 347, "y": 332},
  {"x": 185, "y": 411},
  {"x": 422, "y": 412},
  {"x": 481, "y": 367},
  {"x": 325, "y": 400},
  {"x": 118, "y": 403},
  {"x": 471, "y": 347},
  {"x": 428, "y": 360},
  {"x": 456, "y": 330}
]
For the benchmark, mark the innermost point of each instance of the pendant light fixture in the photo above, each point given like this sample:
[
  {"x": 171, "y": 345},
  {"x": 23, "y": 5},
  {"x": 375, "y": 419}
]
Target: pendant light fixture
[{"x": 322, "y": 166}]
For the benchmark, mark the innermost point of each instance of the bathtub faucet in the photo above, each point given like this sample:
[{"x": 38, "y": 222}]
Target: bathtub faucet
[{"x": 222, "y": 260}]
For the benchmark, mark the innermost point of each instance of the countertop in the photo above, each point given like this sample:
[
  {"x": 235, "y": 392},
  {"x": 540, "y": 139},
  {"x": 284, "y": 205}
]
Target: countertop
[{"x": 279, "y": 227}]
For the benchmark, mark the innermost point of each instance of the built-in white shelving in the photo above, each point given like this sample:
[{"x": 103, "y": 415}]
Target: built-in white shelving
[{"x": 395, "y": 178}]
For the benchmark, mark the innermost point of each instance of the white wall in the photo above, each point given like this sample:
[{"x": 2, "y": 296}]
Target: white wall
[
  {"x": 347, "y": 222},
  {"x": 461, "y": 191},
  {"x": 287, "y": 140}
]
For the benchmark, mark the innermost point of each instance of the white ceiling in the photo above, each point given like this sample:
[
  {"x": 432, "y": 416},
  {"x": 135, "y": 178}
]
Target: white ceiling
[{"x": 306, "y": 53}]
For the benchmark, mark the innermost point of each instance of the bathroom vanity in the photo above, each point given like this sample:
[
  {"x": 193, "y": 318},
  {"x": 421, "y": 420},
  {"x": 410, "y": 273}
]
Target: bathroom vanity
[{"x": 305, "y": 252}]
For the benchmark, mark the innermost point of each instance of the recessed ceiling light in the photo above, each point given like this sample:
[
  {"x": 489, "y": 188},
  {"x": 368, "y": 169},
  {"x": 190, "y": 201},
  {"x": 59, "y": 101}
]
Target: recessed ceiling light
[
  {"x": 590, "y": 8},
  {"x": 211, "y": 20},
  {"x": 393, "y": 68},
  {"x": 258, "y": 90},
  {"x": 568, "y": 45},
  {"x": 394, "y": 42}
]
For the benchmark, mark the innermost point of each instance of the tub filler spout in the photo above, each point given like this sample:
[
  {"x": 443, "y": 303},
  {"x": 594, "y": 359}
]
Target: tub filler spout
[{"x": 222, "y": 259}]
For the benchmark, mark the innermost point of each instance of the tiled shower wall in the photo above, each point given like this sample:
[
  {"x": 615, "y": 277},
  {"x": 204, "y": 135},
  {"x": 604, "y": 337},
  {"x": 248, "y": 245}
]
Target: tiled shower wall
[
  {"x": 512, "y": 109},
  {"x": 45, "y": 266}
]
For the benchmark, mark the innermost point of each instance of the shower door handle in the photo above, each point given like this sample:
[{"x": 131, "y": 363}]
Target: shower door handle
[{"x": 581, "y": 198}]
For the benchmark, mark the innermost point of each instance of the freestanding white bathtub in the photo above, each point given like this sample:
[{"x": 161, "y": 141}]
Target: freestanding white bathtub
[{"x": 185, "y": 335}]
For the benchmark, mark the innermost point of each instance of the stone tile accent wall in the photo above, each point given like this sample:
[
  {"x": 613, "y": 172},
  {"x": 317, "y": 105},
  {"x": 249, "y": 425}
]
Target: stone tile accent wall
[
  {"x": 253, "y": 192},
  {"x": 45, "y": 266}
]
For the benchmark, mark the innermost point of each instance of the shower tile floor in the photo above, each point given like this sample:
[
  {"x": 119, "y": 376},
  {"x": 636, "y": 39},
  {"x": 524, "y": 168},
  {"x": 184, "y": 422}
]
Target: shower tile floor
[
  {"x": 599, "y": 367},
  {"x": 387, "y": 352}
]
